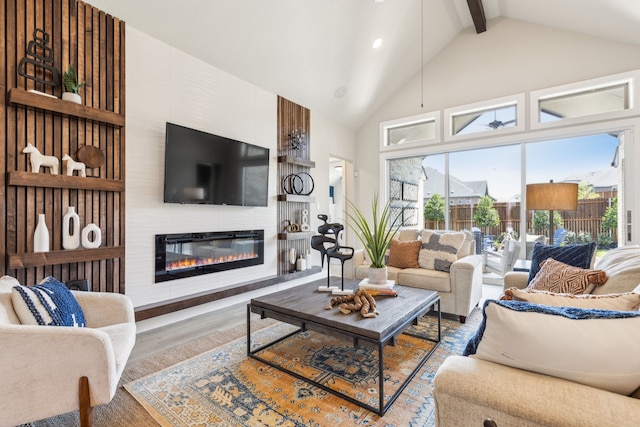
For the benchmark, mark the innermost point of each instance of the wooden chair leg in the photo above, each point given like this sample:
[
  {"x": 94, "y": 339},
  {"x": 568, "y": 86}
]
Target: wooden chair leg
[{"x": 85, "y": 403}]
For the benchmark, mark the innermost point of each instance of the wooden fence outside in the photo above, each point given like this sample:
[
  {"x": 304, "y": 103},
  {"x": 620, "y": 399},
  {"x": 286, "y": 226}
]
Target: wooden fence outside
[{"x": 587, "y": 219}]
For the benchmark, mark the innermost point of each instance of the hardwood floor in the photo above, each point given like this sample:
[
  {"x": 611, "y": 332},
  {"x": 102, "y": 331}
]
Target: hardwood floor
[{"x": 155, "y": 341}]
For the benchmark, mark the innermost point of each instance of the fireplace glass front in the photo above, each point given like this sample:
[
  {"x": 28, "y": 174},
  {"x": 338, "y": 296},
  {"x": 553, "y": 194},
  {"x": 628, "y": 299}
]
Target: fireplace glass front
[{"x": 192, "y": 254}]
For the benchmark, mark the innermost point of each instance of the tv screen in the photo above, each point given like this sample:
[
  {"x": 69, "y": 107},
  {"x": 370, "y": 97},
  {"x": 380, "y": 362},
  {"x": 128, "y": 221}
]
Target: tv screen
[{"x": 202, "y": 168}]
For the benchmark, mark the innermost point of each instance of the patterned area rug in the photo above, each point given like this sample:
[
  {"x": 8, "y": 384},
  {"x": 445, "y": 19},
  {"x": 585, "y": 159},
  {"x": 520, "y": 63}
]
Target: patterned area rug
[{"x": 223, "y": 387}]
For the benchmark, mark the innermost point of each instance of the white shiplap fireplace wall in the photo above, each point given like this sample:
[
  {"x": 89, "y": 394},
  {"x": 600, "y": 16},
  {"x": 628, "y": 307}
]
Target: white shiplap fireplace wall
[{"x": 165, "y": 84}]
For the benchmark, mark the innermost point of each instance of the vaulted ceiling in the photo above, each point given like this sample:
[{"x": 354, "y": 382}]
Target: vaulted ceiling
[{"x": 318, "y": 53}]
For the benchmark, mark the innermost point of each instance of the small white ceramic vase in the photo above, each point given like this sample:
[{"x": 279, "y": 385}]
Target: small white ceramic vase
[
  {"x": 71, "y": 229},
  {"x": 41, "y": 235},
  {"x": 97, "y": 237}
]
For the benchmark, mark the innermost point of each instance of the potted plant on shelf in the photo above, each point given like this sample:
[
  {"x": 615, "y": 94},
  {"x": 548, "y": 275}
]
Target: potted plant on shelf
[
  {"x": 70, "y": 80},
  {"x": 376, "y": 236}
]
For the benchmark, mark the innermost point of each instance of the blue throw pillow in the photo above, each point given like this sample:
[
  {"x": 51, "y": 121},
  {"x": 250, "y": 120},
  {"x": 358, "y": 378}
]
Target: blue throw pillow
[
  {"x": 574, "y": 255},
  {"x": 49, "y": 303}
]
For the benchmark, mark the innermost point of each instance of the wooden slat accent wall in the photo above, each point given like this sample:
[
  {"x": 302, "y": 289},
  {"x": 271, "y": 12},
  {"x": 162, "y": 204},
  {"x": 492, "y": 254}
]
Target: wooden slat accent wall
[
  {"x": 94, "y": 44},
  {"x": 291, "y": 116}
]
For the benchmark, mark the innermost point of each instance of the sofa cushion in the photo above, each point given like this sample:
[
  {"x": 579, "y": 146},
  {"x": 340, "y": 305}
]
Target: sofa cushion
[
  {"x": 556, "y": 276},
  {"x": 432, "y": 280},
  {"x": 407, "y": 234},
  {"x": 49, "y": 303},
  {"x": 573, "y": 255},
  {"x": 468, "y": 246},
  {"x": 623, "y": 269},
  {"x": 404, "y": 254},
  {"x": 554, "y": 341},
  {"x": 627, "y": 301},
  {"x": 7, "y": 313},
  {"x": 439, "y": 250}
]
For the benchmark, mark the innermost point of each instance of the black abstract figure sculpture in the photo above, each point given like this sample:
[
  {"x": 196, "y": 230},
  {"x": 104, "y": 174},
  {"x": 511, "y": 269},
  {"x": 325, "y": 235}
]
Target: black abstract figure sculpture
[{"x": 330, "y": 246}]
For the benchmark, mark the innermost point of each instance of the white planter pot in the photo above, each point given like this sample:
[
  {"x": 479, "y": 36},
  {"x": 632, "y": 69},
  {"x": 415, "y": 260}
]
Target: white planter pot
[
  {"x": 72, "y": 97},
  {"x": 378, "y": 276}
]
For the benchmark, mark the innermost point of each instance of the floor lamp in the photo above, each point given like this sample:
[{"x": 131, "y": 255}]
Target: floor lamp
[{"x": 552, "y": 196}]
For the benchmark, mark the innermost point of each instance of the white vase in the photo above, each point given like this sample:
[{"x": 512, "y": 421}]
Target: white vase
[
  {"x": 71, "y": 221},
  {"x": 378, "y": 276},
  {"x": 72, "y": 97},
  {"x": 307, "y": 258},
  {"x": 97, "y": 236},
  {"x": 41, "y": 235}
]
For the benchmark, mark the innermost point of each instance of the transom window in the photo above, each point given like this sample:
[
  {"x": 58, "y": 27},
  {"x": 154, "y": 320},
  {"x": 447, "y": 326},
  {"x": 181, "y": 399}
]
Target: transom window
[
  {"x": 484, "y": 120},
  {"x": 412, "y": 132},
  {"x": 578, "y": 104}
]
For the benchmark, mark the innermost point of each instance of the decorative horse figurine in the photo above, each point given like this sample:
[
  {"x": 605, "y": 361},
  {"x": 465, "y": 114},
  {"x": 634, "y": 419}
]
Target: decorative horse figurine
[
  {"x": 72, "y": 165},
  {"x": 37, "y": 159}
]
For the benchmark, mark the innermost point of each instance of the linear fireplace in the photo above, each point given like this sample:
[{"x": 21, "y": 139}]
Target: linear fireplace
[{"x": 192, "y": 254}]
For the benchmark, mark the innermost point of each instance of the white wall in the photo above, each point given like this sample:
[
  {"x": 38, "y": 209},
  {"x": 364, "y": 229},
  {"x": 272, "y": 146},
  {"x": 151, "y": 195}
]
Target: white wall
[
  {"x": 511, "y": 57},
  {"x": 164, "y": 84}
]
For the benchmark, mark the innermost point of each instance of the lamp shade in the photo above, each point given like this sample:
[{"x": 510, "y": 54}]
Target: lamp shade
[{"x": 552, "y": 196}]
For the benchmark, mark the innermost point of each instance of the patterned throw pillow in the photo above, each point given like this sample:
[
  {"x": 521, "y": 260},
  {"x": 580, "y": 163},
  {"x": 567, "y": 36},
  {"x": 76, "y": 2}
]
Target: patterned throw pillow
[
  {"x": 573, "y": 255},
  {"x": 404, "y": 254},
  {"x": 628, "y": 301},
  {"x": 555, "y": 276},
  {"x": 439, "y": 250},
  {"x": 49, "y": 303}
]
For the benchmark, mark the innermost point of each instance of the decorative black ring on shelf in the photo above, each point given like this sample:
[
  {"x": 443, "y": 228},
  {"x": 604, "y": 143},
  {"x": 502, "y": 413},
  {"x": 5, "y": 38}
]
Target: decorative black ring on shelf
[
  {"x": 300, "y": 191},
  {"x": 295, "y": 184}
]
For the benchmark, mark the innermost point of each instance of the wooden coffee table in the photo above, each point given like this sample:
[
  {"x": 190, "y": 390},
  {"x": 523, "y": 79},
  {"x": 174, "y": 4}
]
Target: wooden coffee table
[{"x": 304, "y": 306}]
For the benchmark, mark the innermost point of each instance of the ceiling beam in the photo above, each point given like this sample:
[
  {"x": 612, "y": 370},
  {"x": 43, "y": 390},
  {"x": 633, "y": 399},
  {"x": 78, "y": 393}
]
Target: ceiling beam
[{"x": 477, "y": 14}]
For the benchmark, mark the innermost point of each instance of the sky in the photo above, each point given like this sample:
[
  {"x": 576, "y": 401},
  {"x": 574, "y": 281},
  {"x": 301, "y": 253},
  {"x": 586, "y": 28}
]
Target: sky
[{"x": 556, "y": 159}]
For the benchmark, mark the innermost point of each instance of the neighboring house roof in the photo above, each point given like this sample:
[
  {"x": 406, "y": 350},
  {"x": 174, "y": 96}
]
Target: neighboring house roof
[
  {"x": 602, "y": 180},
  {"x": 458, "y": 189}
]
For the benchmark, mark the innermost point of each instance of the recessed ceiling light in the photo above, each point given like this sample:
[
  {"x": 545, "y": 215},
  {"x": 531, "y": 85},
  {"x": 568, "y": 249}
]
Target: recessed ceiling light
[
  {"x": 340, "y": 92},
  {"x": 377, "y": 43}
]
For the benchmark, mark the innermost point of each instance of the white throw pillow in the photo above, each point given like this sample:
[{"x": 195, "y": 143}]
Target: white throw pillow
[{"x": 591, "y": 347}]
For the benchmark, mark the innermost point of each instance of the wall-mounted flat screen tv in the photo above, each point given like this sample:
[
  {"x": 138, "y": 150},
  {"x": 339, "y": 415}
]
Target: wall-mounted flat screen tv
[{"x": 202, "y": 168}]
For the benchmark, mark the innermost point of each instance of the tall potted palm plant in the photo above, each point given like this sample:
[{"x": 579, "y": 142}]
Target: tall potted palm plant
[{"x": 376, "y": 235}]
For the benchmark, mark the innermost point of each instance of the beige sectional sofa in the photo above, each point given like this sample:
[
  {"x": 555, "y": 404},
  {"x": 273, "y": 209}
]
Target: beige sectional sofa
[
  {"x": 460, "y": 289},
  {"x": 468, "y": 390}
]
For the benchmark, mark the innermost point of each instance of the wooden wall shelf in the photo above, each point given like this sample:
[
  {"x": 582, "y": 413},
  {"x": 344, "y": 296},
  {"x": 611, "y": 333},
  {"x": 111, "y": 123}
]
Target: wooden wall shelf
[
  {"x": 37, "y": 259},
  {"x": 295, "y": 198},
  {"x": 295, "y": 236},
  {"x": 65, "y": 108},
  {"x": 30, "y": 179},
  {"x": 297, "y": 161}
]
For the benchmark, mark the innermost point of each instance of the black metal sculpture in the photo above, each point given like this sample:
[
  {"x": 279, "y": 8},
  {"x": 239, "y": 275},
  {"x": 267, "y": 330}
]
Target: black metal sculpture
[
  {"x": 37, "y": 65},
  {"x": 330, "y": 246}
]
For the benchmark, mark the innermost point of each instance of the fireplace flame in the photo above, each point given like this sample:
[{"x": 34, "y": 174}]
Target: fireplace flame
[{"x": 203, "y": 261}]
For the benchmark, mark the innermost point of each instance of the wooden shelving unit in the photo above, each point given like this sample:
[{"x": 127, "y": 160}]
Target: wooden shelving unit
[
  {"x": 295, "y": 236},
  {"x": 37, "y": 259},
  {"x": 45, "y": 180},
  {"x": 94, "y": 43},
  {"x": 297, "y": 161},
  {"x": 295, "y": 198},
  {"x": 64, "y": 108}
]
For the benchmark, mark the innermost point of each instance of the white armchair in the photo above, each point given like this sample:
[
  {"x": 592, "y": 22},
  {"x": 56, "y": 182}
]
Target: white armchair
[
  {"x": 51, "y": 370},
  {"x": 497, "y": 264}
]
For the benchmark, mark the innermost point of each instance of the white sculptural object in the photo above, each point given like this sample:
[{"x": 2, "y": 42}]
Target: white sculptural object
[
  {"x": 86, "y": 235},
  {"x": 72, "y": 165},
  {"x": 37, "y": 159}
]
